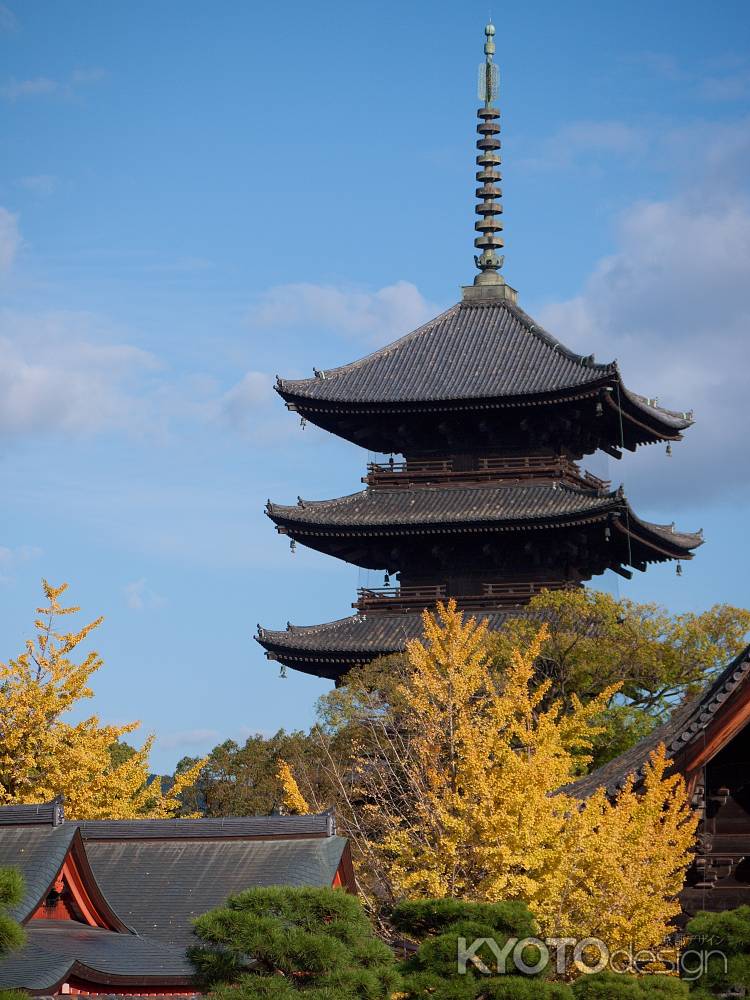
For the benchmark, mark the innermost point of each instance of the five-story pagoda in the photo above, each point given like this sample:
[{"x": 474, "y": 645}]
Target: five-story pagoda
[{"x": 491, "y": 415}]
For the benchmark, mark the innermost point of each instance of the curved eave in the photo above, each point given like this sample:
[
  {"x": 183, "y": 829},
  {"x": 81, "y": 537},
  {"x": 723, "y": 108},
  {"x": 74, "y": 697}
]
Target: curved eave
[
  {"x": 298, "y": 530},
  {"x": 330, "y": 649},
  {"x": 315, "y": 525},
  {"x": 309, "y": 407},
  {"x": 644, "y": 421},
  {"x": 662, "y": 540},
  {"x": 76, "y": 850}
]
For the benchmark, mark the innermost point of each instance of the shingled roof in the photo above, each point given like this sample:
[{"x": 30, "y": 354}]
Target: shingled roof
[
  {"x": 685, "y": 728},
  {"x": 56, "y": 950},
  {"x": 160, "y": 886},
  {"x": 489, "y": 351},
  {"x": 496, "y": 507},
  {"x": 148, "y": 879},
  {"x": 330, "y": 649}
]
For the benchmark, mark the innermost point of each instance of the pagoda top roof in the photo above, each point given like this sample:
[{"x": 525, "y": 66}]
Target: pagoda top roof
[
  {"x": 506, "y": 505},
  {"x": 473, "y": 351}
]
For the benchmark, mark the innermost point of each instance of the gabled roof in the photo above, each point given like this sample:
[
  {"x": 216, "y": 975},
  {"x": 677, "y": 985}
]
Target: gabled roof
[
  {"x": 40, "y": 853},
  {"x": 488, "y": 351},
  {"x": 682, "y": 732},
  {"x": 159, "y": 886},
  {"x": 148, "y": 879}
]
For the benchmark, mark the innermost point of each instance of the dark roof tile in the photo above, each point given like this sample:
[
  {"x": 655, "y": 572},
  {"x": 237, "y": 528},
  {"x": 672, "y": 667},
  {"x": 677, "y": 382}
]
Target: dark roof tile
[
  {"x": 38, "y": 852},
  {"x": 470, "y": 352},
  {"x": 158, "y": 887},
  {"x": 371, "y": 635},
  {"x": 244, "y": 827},
  {"x": 498, "y": 506},
  {"x": 55, "y": 948}
]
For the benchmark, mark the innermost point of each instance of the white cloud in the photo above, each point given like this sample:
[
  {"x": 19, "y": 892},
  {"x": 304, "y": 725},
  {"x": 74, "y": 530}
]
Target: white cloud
[
  {"x": 139, "y": 597},
  {"x": 672, "y": 305},
  {"x": 39, "y": 184},
  {"x": 10, "y": 239},
  {"x": 189, "y": 738},
  {"x": 375, "y": 317},
  {"x": 574, "y": 141},
  {"x": 38, "y": 86},
  {"x": 239, "y": 405},
  {"x": 45, "y": 86},
  {"x": 67, "y": 372},
  {"x": 731, "y": 87}
]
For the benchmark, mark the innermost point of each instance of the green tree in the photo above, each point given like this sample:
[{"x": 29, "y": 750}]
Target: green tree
[
  {"x": 277, "y": 943},
  {"x": 727, "y": 935},
  {"x": 242, "y": 780},
  {"x": 621, "y": 986},
  {"x": 12, "y": 935},
  {"x": 595, "y": 640},
  {"x": 441, "y": 927}
]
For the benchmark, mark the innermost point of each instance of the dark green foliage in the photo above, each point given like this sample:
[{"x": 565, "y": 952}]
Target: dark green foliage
[
  {"x": 516, "y": 988},
  {"x": 729, "y": 934},
  {"x": 422, "y": 917},
  {"x": 242, "y": 780},
  {"x": 621, "y": 986},
  {"x": 440, "y": 924},
  {"x": 275, "y": 943},
  {"x": 13, "y": 995},
  {"x": 12, "y": 935}
]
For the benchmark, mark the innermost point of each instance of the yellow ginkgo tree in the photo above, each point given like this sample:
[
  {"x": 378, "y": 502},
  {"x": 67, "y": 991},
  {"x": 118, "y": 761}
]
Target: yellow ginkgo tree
[
  {"x": 454, "y": 791},
  {"x": 43, "y": 754}
]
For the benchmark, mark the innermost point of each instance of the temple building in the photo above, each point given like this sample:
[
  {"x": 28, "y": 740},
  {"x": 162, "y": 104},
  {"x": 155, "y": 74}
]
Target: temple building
[
  {"x": 486, "y": 417},
  {"x": 108, "y": 905},
  {"x": 708, "y": 738}
]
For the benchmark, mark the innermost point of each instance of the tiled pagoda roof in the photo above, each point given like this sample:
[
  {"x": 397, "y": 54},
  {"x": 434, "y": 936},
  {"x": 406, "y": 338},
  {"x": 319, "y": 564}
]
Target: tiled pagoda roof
[
  {"x": 492, "y": 507},
  {"x": 472, "y": 352},
  {"x": 316, "y": 649}
]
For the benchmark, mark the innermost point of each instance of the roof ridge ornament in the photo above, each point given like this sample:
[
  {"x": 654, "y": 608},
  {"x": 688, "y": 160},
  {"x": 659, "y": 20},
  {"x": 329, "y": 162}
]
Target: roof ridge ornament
[{"x": 489, "y": 284}]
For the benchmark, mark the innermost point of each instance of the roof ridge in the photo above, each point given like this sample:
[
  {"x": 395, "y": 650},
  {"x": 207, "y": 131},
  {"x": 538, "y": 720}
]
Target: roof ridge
[
  {"x": 585, "y": 360},
  {"x": 379, "y": 353}
]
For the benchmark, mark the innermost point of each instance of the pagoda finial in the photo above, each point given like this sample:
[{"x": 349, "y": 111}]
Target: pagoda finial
[{"x": 491, "y": 284}]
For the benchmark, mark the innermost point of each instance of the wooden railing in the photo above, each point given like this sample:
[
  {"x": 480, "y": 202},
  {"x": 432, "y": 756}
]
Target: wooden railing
[
  {"x": 403, "y": 599},
  {"x": 450, "y": 472}
]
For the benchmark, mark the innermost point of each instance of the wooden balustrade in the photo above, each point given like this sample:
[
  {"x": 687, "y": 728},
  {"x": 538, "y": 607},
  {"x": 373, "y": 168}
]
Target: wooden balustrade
[
  {"x": 403, "y": 599},
  {"x": 484, "y": 469}
]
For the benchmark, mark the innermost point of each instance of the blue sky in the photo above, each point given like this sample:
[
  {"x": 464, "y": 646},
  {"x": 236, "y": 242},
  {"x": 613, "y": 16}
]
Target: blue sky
[{"x": 196, "y": 196}]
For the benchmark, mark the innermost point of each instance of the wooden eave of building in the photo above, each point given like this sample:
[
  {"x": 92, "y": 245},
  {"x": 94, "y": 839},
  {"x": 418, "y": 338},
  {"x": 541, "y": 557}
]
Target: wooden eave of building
[
  {"x": 146, "y": 875},
  {"x": 330, "y": 649},
  {"x": 470, "y": 510},
  {"x": 697, "y": 731},
  {"x": 477, "y": 358}
]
